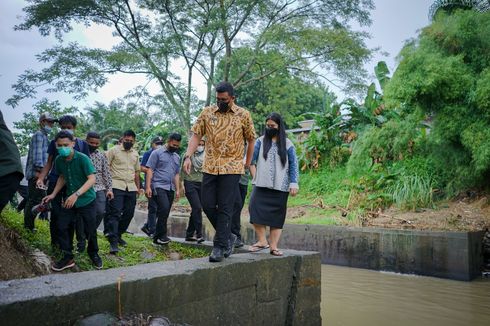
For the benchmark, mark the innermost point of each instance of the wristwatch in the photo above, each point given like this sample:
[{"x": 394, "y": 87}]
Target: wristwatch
[{"x": 78, "y": 193}]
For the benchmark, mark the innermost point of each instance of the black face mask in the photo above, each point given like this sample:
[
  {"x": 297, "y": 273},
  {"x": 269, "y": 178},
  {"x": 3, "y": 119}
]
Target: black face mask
[
  {"x": 92, "y": 149},
  {"x": 173, "y": 149},
  {"x": 223, "y": 106},
  {"x": 271, "y": 132},
  {"x": 127, "y": 145}
]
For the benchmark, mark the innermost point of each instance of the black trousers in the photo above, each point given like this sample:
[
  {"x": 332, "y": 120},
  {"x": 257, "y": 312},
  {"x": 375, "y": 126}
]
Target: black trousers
[
  {"x": 67, "y": 221},
  {"x": 8, "y": 186},
  {"x": 237, "y": 211},
  {"x": 164, "y": 199},
  {"x": 24, "y": 193},
  {"x": 121, "y": 211},
  {"x": 218, "y": 200},
  {"x": 193, "y": 195},
  {"x": 152, "y": 215},
  {"x": 55, "y": 213},
  {"x": 35, "y": 195}
]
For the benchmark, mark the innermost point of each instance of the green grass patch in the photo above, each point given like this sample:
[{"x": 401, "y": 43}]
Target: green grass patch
[{"x": 140, "y": 250}]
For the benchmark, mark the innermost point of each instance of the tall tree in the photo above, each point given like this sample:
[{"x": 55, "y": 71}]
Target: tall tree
[{"x": 155, "y": 35}]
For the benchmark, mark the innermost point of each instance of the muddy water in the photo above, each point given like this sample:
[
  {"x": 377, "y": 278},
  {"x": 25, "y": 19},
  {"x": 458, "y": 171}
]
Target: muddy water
[{"x": 353, "y": 296}]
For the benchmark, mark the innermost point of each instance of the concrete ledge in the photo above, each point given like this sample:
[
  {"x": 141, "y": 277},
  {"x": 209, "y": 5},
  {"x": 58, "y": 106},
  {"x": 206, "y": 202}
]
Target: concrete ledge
[{"x": 245, "y": 289}]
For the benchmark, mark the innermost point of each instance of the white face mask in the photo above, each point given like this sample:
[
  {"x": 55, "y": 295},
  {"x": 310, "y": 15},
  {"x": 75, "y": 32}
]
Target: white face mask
[
  {"x": 158, "y": 146},
  {"x": 200, "y": 149}
]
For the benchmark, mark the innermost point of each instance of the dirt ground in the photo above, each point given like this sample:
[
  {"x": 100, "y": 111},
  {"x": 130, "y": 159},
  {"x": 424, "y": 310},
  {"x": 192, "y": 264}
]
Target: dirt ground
[
  {"x": 15, "y": 257},
  {"x": 463, "y": 214}
]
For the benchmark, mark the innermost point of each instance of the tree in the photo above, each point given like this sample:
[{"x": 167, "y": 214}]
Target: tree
[
  {"x": 155, "y": 35},
  {"x": 30, "y": 121}
]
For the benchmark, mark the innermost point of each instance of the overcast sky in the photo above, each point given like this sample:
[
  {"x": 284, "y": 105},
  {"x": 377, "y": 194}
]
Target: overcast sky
[{"x": 394, "y": 21}]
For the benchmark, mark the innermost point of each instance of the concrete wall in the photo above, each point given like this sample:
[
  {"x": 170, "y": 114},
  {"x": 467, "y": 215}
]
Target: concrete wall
[
  {"x": 453, "y": 255},
  {"x": 245, "y": 289}
]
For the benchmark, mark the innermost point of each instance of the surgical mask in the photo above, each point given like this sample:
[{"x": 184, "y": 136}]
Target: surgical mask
[
  {"x": 127, "y": 145},
  {"x": 223, "y": 106},
  {"x": 271, "y": 132},
  {"x": 158, "y": 146},
  {"x": 92, "y": 148},
  {"x": 200, "y": 149},
  {"x": 64, "y": 151},
  {"x": 47, "y": 129},
  {"x": 70, "y": 131}
]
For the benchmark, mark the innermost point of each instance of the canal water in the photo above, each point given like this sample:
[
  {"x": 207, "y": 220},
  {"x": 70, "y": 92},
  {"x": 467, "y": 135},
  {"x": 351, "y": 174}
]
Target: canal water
[{"x": 352, "y": 297}]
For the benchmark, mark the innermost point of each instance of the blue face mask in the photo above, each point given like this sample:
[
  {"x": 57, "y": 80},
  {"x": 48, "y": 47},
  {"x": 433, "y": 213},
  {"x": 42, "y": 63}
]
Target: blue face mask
[
  {"x": 70, "y": 131},
  {"x": 64, "y": 151},
  {"x": 47, "y": 129}
]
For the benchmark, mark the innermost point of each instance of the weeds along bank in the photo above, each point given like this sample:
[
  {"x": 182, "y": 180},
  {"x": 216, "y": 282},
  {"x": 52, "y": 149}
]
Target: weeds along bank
[{"x": 420, "y": 136}]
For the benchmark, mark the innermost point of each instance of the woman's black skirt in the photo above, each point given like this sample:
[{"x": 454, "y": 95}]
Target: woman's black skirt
[{"x": 268, "y": 207}]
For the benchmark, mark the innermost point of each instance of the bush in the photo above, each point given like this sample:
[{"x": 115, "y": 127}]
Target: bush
[{"x": 412, "y": 191}]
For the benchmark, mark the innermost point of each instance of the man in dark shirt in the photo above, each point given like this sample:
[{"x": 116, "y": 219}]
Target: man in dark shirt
[
  {"x": 163, "y": 183},
  {"x": 10, "y": 166},
  {"x": 149, "y": 227},
  {"x": 75, "y": 171},
  {"x": 68, "y": 124}
]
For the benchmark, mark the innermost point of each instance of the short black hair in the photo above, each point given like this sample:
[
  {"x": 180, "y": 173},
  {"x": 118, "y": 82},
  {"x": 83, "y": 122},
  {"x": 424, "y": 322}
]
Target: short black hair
[
  {"x": 129, "y": 133},
  {"x": 225, "y": 87},
  {"x": 68, "y": 119},
  {"x": 93, "y": 134},
  {"x": 63, "y": 134},
  {"x": 175, "y": 136}
]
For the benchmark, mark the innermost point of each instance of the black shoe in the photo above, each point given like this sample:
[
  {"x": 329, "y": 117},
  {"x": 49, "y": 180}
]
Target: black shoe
[
  {"x": 200, "y": 239},
  {"x": 62, "y": 264},
  {"x": 231, "y": 245},
  {"x": 163, "y": 241},
  {"x": 146, "y": 230},
  {"x": 121, "y": 242},
  {"x": 96, "y": 261},
  {"x": 113, "y": 248},
  {"x": 217, "y": 255},
  {"x": 238, "y": 243},
  {"x": 193, "y": 239}
]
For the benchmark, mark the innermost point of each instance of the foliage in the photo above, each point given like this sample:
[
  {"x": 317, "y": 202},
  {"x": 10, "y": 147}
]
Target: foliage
[
  {"x": 30, "y": 121},
  {"x": 412, "y": 191},
  {"x": 445, "y": 74},
  {"x": 395, "y": 141},
  {"x": 340, "y": 123},
  {"x": 155, "y": 36},
  {"x": 131, "y": 255}
]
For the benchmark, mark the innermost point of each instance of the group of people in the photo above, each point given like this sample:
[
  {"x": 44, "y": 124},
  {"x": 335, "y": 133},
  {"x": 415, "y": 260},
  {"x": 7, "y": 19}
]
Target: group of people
[{"x": 86, "y": 186}]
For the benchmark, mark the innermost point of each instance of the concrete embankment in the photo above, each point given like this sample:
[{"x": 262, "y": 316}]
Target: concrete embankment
[{"x": 245, "y": 289}]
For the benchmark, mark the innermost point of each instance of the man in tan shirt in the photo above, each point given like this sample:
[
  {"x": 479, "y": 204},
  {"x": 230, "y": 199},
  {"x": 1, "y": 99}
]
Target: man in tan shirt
[
  {"x": 125, "y": 171},
  {"x": 226, "y": 127}
]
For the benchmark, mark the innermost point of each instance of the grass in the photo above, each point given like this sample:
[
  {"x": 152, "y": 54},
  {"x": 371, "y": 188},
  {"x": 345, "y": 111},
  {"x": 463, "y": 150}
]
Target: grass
[
  {"x": 140, "y": 250},
  {"x": 331, "y": 186},
  {"x": 412, "y": 191}
]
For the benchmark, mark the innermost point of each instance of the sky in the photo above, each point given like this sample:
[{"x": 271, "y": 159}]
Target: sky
[{"x": 394, "y": 22}]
